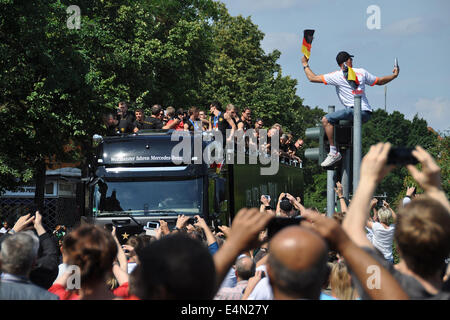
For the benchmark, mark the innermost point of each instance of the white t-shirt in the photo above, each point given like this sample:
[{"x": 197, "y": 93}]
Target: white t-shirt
[
  {"x": 263, "y": 289},
  {"x": 345, "y": 92},
  {"x": 383, "y": 238}
]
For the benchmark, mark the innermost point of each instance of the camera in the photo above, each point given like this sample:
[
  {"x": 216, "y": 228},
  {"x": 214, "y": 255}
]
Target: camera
[
  {"x": 401, "y": 156},
  {"x": 152, "y": 225}
]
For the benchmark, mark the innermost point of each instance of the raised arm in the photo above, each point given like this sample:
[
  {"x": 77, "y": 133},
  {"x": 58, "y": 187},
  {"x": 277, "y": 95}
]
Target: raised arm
[
  {"x": 430, "y": 176},
  {"x": 384, "y": 80},
  {"x": 340, "y": 193},
  {"x": 242, "y": 236},
  {"x": 210, "y": 238},
  {"x": 359, "y": 261},
  {"x": 373, "y": 170},
  {"x": 312, "y": 77}
]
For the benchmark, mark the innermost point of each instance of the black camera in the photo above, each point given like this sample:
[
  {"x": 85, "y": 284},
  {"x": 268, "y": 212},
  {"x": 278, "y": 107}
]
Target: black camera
[{"x": 401, "y": 156}]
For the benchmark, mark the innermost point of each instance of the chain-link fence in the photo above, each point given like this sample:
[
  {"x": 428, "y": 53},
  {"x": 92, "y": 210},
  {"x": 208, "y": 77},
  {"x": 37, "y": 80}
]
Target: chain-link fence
[{"x": 58, "y": 211}]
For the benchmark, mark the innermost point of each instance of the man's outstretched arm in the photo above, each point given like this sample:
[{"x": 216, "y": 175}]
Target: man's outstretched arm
[
  {"x": 383, "y": 80},
  {"x": 312, "y": 77}
]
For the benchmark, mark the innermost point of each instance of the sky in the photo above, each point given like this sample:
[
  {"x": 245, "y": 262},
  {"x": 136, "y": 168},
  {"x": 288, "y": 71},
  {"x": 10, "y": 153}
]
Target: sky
[{"x": 416, "y": 32}]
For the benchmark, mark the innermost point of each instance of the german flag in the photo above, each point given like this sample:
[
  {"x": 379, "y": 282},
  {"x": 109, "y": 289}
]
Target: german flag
[
  {"x": 307, "y": 40},
  {"x": 352, "y": 75}
]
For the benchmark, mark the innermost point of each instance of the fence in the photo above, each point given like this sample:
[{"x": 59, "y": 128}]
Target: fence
[{"x": 58, "y": 211}]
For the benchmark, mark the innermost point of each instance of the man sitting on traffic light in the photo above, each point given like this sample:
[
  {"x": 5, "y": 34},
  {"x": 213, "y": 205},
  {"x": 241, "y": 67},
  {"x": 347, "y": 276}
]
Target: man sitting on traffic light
[{"x": 348, "y": 82}]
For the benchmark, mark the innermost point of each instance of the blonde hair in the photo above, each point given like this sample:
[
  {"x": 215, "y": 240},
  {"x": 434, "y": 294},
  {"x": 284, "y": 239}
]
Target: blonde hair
[
  {"x": 384, "y": 215},
  {"x": 341, "y": 284}
]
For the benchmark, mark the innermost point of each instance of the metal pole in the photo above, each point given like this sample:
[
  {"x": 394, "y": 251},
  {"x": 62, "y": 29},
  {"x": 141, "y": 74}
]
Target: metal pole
[
  {"x": 330, "y": 182},
  {"x": 357, "y": 146},
  {"x": 346, "y": 173}
]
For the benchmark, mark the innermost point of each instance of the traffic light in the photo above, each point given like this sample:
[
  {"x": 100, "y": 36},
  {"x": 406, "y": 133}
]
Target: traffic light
[{"x": 320, "y": 153}]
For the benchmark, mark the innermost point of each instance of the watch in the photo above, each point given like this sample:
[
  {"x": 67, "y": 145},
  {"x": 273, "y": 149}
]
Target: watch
[{"x": 307, "y": 66}]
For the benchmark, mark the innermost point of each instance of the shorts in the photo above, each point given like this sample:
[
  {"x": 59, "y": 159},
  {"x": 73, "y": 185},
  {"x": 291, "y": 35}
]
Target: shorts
[{"x": 347, "y": 114}]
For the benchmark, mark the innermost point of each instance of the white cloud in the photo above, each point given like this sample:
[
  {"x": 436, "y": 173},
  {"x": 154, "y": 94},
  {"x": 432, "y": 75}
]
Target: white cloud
[
  {"x": 435, "y": 111},
  {"x": 407, "y": 27},
  {"x": 283, "y": 41}
]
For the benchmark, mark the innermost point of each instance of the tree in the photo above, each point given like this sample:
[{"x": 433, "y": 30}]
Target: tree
[
  {"x": 57, "y": 82},
  {"x": 242, "y": 74}
]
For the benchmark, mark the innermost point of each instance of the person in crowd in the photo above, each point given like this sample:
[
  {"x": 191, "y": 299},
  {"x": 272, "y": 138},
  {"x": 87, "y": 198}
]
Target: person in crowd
[
  {"x": 5, "y": 227},
  {"x": 294, "y": 147},
  {"x": 341, "y": 283},
  {"x": 246, "y": 119},
  {"x": 220, "y": 121},
  {"x": 259, "y": 124},
  {"x": 155, "y": 122},
  {"x": 111, "y": 124},
  {"x": 422, "y": 232},
  {"x": 18, "y": 254},
  {"x": 141, "y": 122},
  {"x": 176, "y": 267},
  {"x": 204, "y": 119},
  {"x": 296, "y": 265},
  {"x": 289, "y": 206},
  {"x": 284, "y": 147},
  {"x": 410, "y": 194},
  {"x": 94, "y": 251},
  {"x": 244, "y": 270},
  {"x": 383, "y": 232},
  {"x": 126, "y": 119},
  {"x": 45, "y": 268},
  {"x": 193, "y": 123}
]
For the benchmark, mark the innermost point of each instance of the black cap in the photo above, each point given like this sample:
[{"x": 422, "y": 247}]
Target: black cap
[{"x": 342, "y": 57}]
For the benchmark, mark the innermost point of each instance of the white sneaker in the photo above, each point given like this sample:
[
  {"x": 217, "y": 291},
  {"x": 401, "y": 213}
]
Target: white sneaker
[{"x": 331, "y": 159}]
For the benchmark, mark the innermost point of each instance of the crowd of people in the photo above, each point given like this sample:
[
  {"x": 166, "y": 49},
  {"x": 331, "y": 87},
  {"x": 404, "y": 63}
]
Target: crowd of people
[
  {"x": 228, "y": 121},
  {"x": 345, "y": 257}
]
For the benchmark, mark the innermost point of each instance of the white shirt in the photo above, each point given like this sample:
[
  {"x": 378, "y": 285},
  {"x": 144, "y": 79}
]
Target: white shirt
[
  {"x": 345, "y": 92},
  {"x": 383, "y": 238},
  {"x": 263, "y": 289}
]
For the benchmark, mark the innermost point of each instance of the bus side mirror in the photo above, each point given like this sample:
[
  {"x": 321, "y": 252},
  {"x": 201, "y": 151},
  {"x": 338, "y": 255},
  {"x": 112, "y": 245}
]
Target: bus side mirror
[{"x": 219, "y": 193}]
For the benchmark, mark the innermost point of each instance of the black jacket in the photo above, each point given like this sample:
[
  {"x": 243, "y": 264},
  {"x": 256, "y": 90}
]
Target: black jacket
[{"x": 45, "y": 271}]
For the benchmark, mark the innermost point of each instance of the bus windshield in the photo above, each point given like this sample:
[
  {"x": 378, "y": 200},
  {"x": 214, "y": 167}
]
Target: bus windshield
[{"x": 147, "y": 198}]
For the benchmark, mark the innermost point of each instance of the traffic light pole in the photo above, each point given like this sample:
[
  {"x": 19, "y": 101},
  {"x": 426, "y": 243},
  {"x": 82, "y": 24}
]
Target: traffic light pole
[
  {"x": 357, "y": 145},
  {"x": 330, "y": 182}
]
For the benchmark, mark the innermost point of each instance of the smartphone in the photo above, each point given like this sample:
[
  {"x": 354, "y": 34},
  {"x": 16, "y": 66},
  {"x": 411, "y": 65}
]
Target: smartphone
[
  {"x": 267, "y": 197},
  {"x": 150, "y": 228},
  {"x": 152, "y": 225},
  {"x": 278, "y": 223},
  {"x": 401, "y": 156}
]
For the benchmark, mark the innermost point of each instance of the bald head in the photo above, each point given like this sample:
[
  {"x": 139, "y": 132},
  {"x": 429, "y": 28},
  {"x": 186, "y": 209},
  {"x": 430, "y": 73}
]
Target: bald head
[
  {"x": 245, "y": 268},
  {"x": 297, "y": 263}
]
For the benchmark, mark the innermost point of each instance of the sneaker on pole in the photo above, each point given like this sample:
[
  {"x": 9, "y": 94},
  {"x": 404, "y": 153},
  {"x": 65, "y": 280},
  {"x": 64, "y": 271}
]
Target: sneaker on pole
[{"x": 331, "y": 159}]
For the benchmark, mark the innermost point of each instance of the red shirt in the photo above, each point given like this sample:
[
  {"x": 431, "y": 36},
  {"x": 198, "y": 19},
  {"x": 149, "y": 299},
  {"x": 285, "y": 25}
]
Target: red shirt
[
  {"x": 179, "y": 126},
  {"x": 63, "y": 294}
]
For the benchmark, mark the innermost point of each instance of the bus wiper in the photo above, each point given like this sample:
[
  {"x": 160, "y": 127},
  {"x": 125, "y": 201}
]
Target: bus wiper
[
  {"x": 126, "y": 214},
  {"x": 163, "y": 212}
]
